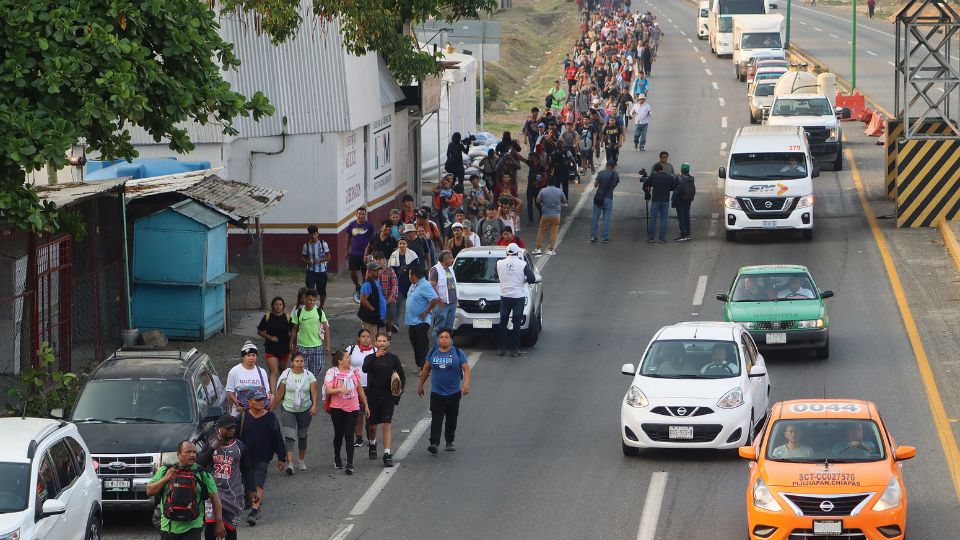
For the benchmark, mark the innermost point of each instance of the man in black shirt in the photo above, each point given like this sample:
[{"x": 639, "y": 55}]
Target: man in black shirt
[
  {"x": 659, "y": 184},
  {"x": 380, "y": 367},
  {"x": 383, "y": 242},
  {"x": 612, "y": 139}
]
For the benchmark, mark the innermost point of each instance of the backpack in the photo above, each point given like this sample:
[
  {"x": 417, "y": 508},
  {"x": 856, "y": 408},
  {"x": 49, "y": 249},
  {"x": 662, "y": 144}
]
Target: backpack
[
  {"x": 689, "y": 189},
  {"x": 586, "y": 140},
  {"x": 180, "y": 503}
]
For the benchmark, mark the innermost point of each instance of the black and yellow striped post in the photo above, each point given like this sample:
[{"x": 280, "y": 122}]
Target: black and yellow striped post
[
  {"x": 894, "y": 131},
  {"x": 928, "y": 181}
]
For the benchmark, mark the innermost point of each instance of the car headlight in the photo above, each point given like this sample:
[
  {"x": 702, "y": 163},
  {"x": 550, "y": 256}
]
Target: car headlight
[
  {"x": 891, "y": 497},
  {"x": 813, "y": 323},
  {"x": 731, "y": 202},
  {"x": 12, "y": 535},
  {"x": 805, "y": 201},
  {"x": 635, "y": 398},
  {"x": 732, "y": 399},
  {"x": 168, "y": 458},
  {"x": 748, "y": 325},
  {"x": 834, "y": 132},
  {"x": 763, "y": 499}
]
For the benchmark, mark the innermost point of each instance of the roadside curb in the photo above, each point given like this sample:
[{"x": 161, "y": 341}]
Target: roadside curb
[{"x": 950, "y": 241}]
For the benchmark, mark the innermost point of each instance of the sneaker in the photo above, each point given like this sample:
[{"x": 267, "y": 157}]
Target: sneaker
[
  {"x": 661, "y": 241},
  {"x": 288, "y": 469},
  {"x": 358, "y": 441},
  {"x": 372, "y": 451},
  {"x": 337, "y": 464},
  {"x": 302, "y": 465},
  {"x": 450, "y": 447},
  {"x": 356, "y": 297},
  {"x": 253, "y": 517},
  {"x": 551, "y": 252},
  {"x": 501, "y": 352},
  {"x": 686, "y": 239},
  {"x": 395, "y": 328},
  {"x": 592, "y": 239},
  {"x": 349, "y": 469},
  {"x": 636, "y": 146},
  {"x": 605, "y": 241},
  {"x": 432, "y": 449},
  {"x": 517, "y": 352},
  {"x": 387, "y": 460},
  {"x": 537, "y": 252},
  {"x": 678, "y": 239},
  {"x": 651, "y": 241}
]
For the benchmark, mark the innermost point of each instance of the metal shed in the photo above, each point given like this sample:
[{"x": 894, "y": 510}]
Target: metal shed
[{"x": 180, "y": 271}]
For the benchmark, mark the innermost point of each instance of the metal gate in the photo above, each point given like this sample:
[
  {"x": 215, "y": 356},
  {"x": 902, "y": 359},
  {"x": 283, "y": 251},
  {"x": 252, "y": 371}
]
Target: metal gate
[{"x": 52, "y": 320}]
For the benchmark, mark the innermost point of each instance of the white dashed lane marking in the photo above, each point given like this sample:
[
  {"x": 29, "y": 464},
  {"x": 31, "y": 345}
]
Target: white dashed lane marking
[
  {"x": 700, "y": 291},
  {"x": 871, "y": 53},
  {"x": 715, "y": 85},
  {"x": 723, "y": 122},
  {"x": 708, "y": 71},
  {"x": 651, "y": 506},
  {"x": 723, "y": 102}
]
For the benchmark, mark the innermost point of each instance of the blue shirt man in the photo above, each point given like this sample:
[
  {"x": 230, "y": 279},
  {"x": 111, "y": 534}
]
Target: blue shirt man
[{"x": 420, "y": 298}]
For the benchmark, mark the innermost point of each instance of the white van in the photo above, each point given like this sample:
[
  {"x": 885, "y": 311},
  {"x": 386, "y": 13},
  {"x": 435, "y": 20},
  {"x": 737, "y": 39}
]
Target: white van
[
  {"x": 756, "y": 35},
  {"x": 703, "y": 15},
  {"x": 769, "y": 181}
]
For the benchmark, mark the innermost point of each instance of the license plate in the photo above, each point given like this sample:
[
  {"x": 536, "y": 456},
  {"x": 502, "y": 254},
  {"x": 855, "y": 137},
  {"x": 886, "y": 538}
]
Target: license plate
[
  {"x": 827, "y": 528},
  {"x": 483, "y": 323},
  {"x": 769, "y": 224},
  {"x": 681, "y": 432},
  {"x": 117, "y": 484},
  {"x": 776, "y": 338}
]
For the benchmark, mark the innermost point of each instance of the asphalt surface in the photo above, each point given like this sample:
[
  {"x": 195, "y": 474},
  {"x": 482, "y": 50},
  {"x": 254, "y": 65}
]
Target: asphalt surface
[{"x": 538, "y": 446}]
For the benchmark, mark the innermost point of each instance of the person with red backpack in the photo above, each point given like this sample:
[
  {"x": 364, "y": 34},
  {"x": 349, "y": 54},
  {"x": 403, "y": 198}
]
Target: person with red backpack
[{"x": 183, "y": 489}]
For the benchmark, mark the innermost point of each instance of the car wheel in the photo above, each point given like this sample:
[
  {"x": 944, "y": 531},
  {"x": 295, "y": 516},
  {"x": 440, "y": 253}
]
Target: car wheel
[
  {"x": 808, "y": 234},
  {"x": 823, "y": 353},
  {"x": 530, "y": 337},
  {"x": 94, "y": 527},
  {"x": 731, "y": 236},
  {"x": 838, "y": 163},
  {"x": 629, "y": 451}
]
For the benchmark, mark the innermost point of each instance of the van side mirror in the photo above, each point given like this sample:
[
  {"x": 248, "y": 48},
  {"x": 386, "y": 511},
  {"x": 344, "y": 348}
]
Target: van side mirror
[
  {"x": 628, "y": 369},
  {"x": 816, "y": 171},
  {"x": 722, "y": 173},
  {"x": 747, "y": 452},
  {"x": 723, "y": 297},
  {"x": 826, "y": 294}
]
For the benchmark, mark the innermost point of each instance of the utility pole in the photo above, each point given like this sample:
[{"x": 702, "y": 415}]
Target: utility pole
[
  {"x": 483, "y": 90},
  {"x": 853, "y": 51},
  {"x": 786, "y": 44}
]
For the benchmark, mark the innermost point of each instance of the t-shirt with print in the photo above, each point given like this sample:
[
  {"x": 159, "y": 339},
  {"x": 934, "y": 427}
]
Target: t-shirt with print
[
  {"x": 349, "y": 401},
  {"x": 308, "y": 322},
  {"x": 451, "y": 284},
  {"x": 445, "y": 370},
  {"x": 490, "y": 230},
  {"x": 225, "y": 462},
  {"x": 360, "y": 235},
  {"x": 205, "y": 480},
  {"x": 316, "y": 250},
  {"x": 297, "y": 388},
  {"x": 242, "y": 382}
]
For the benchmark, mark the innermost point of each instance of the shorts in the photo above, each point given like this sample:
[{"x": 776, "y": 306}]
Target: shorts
[
  {"x": 260, "y": 472},
  {"x": 281, "y": 360},
  {"x": 192, "y": 534},
  {"x": 381, "y": 408},
  {"x": 356, "y": 262},
  {"x": 317, "y": 281}
]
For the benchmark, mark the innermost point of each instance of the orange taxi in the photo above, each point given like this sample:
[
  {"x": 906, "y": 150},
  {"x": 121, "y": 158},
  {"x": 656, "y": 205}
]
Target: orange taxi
[{"x": 826, "y": 469}]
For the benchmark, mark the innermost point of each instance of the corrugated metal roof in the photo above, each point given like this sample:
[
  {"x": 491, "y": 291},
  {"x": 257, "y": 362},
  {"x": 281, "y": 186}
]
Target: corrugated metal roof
[
  {"x": 390, "y": 91},
  {"x": 237, "y": 200},
  {"x": 75, "y": 192},
  {"x": 200, "y": 213}
]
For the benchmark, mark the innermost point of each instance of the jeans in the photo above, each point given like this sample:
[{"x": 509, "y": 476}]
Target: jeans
[
  {"x": 420, "y": 341},
  {"x": 661, "y": 210},
  {"x": 683, "y": 215},
  {"x": 343, "y": 425},
  {"x": 640, "y": 136},
  {"x": 510, "y": 307},
  {"x": 607, "y": 210},
  {"x": 532, "y": 191},
  {"x": 612, "y": 153},
  {"x": 443, "y": 316},
  {"x": 443, "y": 408},
  {"x": 395, "y": 311}
]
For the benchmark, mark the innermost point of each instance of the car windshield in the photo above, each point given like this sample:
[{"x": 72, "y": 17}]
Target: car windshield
[
  {"x": 802, "y": 107},
  {"x": 763, "y": 90},
  {"x": 14, "y": 487},
  {"x": 724, "y": 25},
  {"x": 476, "y": 269},
  {"x": 761, "y": 40},
  {"x": 691, "y": 359},
  {"x": 768, "y": 166},
  {"x": 769, "y": 75},
  {"x": 772, "y": 64},
  {"x": 767, "y": 287},
  {"x": 819, "y": 440},
  {"x": 135, "y": 401}
]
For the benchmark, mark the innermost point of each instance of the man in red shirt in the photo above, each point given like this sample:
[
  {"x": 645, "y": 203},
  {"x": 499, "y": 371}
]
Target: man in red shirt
[{"x": 507, "y": 237}]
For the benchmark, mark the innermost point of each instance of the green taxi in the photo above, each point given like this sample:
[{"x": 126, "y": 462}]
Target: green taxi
[{"x": 781, "y": 307}]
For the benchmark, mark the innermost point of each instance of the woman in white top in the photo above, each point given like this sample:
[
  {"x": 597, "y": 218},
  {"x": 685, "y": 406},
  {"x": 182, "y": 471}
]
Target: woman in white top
[{"x": 357, "y": 352}]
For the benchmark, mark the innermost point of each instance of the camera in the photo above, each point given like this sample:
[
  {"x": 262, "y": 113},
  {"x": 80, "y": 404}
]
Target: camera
[{"x": 643, "y": 174}]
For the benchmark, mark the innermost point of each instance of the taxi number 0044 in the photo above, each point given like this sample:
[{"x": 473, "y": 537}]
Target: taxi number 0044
[{"x": 820, "y": 407}]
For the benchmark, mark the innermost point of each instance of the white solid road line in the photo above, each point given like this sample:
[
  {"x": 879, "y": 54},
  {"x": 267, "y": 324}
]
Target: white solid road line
[
  {"x": 722, "y": 102},
  {"x": 700, "y": 291},
  {"x": 871, "y": 53},
  {"x": 715, "y": 85},
  {"x": 723, "y": 121},
  {"x": 710, "y": 73},
  {"x": 651, "y": 507}
]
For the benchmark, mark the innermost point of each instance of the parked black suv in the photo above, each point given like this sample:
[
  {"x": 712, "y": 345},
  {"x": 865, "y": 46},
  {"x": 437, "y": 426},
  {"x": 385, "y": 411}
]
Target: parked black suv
[{"x": 134, "y": 410}]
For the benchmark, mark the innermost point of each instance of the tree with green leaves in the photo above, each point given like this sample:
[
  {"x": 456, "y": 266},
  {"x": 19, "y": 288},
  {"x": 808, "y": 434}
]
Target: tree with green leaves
[{"x": 370, "y": 25}]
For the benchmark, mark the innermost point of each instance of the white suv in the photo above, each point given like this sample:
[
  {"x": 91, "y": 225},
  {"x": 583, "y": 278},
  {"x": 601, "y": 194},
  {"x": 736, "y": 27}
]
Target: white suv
[
  {"x": 48, "y": 486},
  {"x": 478, "y": 293}
]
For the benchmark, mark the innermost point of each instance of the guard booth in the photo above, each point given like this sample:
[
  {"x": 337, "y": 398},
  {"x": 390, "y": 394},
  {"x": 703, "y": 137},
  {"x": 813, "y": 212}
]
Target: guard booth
[
  {"x": 180, "y": 271},
  {"x": 923, "y": 139}
]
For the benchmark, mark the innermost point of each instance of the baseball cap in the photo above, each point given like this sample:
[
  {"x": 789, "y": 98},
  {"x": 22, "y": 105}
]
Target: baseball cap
[
  {"x": 641, "y": 96},
  {"x": 684, "y": 167},
  {"x": 409, "y": 228},
  {"x": 541, "y": 124},
  {"x": 457, "y": 226},
  {"x": 226, "y": 421},
  {"x": 248, "y": 348},
  {"x": 513, "y": 249},
  {"x": 373, "y": 266},
  {"x": 424, "y": 212},
  {"x": 257, "y": 393}
]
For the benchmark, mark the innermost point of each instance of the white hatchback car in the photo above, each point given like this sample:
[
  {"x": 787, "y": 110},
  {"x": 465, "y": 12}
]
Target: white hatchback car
[
  {"x": 49, "y": 489},
  {"x": 699, "y": 385}
]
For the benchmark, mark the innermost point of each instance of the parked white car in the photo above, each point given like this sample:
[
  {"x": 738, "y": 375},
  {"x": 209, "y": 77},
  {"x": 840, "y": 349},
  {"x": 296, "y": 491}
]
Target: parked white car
[
  {"x": 699, "y": 385},
  {"x": 49, "y": 489},
  {"x": 478, "y": 294}
]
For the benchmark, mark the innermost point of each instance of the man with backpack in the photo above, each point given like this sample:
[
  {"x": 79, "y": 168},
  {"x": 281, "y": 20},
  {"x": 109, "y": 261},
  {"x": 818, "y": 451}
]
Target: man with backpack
[
  {"x": 183, "y": 489},
  {"x": 232, "y": 471},
  {"x": 683, "y": 199},
  {"x": 450, "y": 382},
  {"x": 373, "y": 307},
  {"x": 316, "y": 255},
  {"x": 586, "y": 145}
]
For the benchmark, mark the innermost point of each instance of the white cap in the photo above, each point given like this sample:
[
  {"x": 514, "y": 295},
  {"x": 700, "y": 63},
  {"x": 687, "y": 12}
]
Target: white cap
[{"x": 513, "y": 249}]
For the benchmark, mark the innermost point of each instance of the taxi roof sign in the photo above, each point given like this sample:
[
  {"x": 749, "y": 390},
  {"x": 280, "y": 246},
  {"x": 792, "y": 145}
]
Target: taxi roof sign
[{"x": 826, "y": 408}]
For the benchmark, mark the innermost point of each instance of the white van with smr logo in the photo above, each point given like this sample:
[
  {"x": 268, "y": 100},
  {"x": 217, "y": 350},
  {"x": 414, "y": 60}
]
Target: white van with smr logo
[{"x": 769, "y": 181}]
